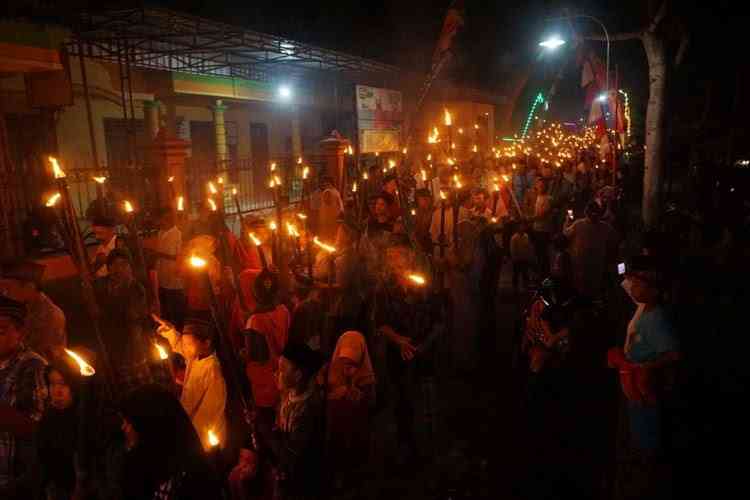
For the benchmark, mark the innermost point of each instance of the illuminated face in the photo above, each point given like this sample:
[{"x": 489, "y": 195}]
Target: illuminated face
[
  {"x": 120, "y": 271},
  {"x": 61, "y": 397},
  {"x": 288, "y": 374},
  {"x": 423, "y": 203},
  {"x": 10, "y": 337},
  {"x": 641, "y": 290},
  {"x": 381, "y": 207},
  {"x": 479, "y": 200},
  {"x": 191, "y": 346}
]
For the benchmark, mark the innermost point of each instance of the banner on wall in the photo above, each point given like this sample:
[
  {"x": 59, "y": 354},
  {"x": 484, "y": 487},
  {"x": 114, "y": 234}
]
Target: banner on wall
[{"x": 379, "y": 119}]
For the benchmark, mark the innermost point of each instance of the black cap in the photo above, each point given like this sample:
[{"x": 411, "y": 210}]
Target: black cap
[
  {"x": 23, "y": 270},
  {"x": 199, "y": 325},
  {"x": 12, "y": 309},
  {"x": 303, "y": 358},
  {"x": 390, "y": 177},
  {"x": 103, "y": 221}
]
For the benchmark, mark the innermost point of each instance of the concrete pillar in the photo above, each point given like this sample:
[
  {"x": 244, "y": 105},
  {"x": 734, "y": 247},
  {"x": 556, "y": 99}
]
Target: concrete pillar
[
  {"x": 296, "y": 134},
  {"x": 170, "y": 120},
  {"x": 333, "y": 149},
  {"x": 151, "y": 117},
  {"x": 168, "y": 159},
  {"x": 221, "y": 135}
]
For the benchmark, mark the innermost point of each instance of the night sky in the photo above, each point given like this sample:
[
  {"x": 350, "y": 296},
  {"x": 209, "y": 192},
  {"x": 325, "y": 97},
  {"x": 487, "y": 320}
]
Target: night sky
[{"x": 500, "y": 39}]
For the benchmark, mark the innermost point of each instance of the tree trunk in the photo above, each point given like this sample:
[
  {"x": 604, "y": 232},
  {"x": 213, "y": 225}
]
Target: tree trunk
[{"x": 655, "y": 127}]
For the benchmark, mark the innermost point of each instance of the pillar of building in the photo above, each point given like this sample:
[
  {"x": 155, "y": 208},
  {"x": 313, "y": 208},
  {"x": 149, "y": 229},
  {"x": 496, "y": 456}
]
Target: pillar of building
[
  {"x": 151, "y": 118},
  {"x": 296, "y": 134},
  {"x": 170, "y": 119},
  {"x": 221, "y": 135},
  {"x": 333, "y": 148},
  {"x": 168, "y": 155}
]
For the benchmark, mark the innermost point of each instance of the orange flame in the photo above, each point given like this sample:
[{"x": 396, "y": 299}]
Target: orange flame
[
  {"x": 255, "y": 239},
  {"x": 417, "y": 279},
  {"x": 58, "y": 172},
  {"x": 86, "y": 369},
  {"x": 163, "y": 354},
  {"x": 328, "y": 248},
  {"x": 52, "y": 200},
  {"x": 197, "y": 262},
  {"x": 128, "y": 207}
]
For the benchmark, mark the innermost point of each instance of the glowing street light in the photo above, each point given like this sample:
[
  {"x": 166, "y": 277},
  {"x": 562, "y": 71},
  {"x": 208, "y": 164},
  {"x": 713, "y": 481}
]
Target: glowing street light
[
  {"x": 552, "y": 42},
  {"x": 285, "y": 92}
]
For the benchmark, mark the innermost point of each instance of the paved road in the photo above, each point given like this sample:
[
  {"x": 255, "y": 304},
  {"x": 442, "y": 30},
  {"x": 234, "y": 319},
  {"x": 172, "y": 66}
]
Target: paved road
[{"x": 485, "y": 447}]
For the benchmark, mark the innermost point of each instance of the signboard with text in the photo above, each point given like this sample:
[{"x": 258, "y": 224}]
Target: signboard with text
[{"x": 379, "y": 119}]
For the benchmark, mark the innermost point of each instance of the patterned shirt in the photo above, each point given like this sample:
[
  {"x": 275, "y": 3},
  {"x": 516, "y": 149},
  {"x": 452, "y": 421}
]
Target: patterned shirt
[
  {"x": 45, "y": 326},
  {"x": 22, "y": 388}
]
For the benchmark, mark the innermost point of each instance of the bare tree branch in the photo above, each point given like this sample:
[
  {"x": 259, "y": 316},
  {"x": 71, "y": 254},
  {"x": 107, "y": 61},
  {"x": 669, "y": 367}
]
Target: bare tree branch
[
  {"x": 684, "y": 43},
  {"x": 617, "y": 37},
  {"x": 658, "y": 17}
]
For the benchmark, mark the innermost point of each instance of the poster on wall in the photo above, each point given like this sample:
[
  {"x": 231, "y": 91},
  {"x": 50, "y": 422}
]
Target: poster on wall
[{"x": 379, "y": 119}]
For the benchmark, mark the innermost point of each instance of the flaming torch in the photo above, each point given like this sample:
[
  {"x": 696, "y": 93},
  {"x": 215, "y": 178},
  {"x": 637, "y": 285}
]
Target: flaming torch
[
  {"x": 259, "y": 248},
  {"x": 417, "y": 279},
  {"x": 86, "y": 369},
  {"x": 213, "y": 439},
  {"x": 58, "y": 172},
  {"x": 328, "y": 248},
  {"x": 52, "y": 200}
]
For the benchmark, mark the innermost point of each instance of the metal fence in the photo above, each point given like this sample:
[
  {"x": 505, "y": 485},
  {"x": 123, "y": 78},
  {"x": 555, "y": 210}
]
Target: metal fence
[{"x": 251, "y": 181}]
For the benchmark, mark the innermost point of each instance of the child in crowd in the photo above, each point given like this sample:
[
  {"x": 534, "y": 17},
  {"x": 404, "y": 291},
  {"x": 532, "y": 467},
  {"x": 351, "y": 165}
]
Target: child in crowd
[
  {"x": 204, "y": 393},
  {"x": 521, "y": 254}
]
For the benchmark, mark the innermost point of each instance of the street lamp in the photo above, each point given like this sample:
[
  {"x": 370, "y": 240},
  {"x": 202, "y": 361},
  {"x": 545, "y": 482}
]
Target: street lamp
[
  {"x": 555, "y": 41},
  {"x": 552, "y": 42},
  {"x": 285, "y": 92}
]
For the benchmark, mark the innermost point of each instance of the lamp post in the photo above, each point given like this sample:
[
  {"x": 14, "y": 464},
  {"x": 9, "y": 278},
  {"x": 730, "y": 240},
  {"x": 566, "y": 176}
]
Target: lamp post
[{"x": 554, "y": 42}]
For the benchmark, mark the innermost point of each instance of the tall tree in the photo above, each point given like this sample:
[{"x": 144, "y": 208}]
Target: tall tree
[{"x": 663, "y": 29}]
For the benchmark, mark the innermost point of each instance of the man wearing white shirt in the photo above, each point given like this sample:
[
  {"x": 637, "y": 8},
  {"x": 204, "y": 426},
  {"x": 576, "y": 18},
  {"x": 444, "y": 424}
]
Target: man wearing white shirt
[
  {"x": 104, "y": 231},
  {"x": 171, "y": 291}
]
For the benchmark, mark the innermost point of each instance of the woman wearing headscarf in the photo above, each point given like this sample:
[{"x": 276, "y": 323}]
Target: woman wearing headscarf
[
  {"x": 350, "y": 395},
  {"x": 163, "y": 456},
  {"x": 266, "y": 334}
]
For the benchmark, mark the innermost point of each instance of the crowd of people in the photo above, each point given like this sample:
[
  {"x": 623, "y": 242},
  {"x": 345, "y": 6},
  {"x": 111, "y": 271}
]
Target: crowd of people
[{"x": 254, "y": 366}]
